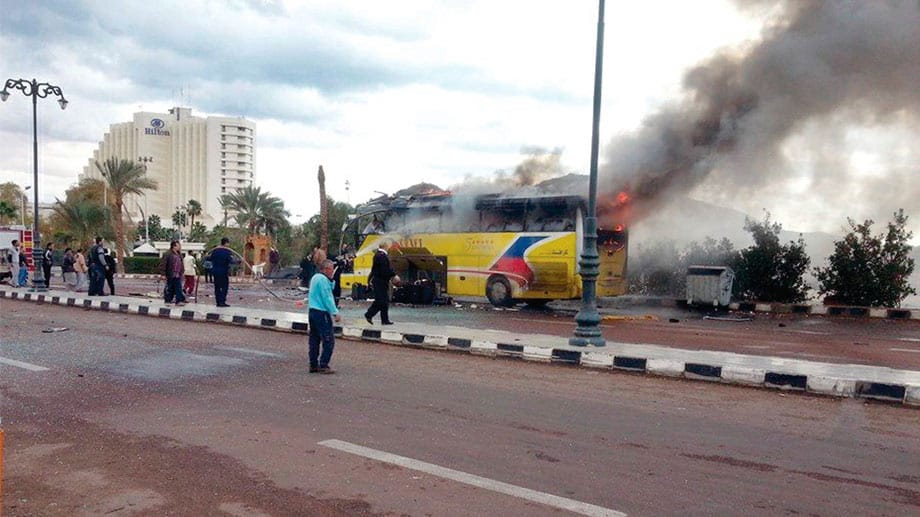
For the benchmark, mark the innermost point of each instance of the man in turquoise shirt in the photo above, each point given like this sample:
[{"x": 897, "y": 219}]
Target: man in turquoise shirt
[{"x": 322, "y": 311}]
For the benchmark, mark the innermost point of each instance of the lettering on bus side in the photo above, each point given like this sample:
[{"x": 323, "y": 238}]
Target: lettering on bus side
[
  {"x": 479, "y": 243},
  {"x": 407, "y": 242}
]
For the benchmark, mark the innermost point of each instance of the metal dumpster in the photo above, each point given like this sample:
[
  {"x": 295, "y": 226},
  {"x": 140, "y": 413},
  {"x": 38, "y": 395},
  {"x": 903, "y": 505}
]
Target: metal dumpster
[{"x": 709, "y": 285}]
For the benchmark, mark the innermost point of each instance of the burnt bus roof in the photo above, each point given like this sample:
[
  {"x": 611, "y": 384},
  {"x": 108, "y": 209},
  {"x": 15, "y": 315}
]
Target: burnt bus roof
[{"x": 486, "y": 201}]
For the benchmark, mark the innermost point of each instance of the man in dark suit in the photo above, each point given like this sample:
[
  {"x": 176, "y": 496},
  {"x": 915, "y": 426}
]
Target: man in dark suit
[{"x": 379, "y": 280}]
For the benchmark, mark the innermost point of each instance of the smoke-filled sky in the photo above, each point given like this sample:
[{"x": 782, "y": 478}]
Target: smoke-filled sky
[{"x": 806, "y": 109}]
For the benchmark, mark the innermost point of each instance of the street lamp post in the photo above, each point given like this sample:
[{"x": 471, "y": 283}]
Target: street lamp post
[
  {"x": 588, "y": 331},
  {"x": 22, "y": 200},
  {"x": 35, "y": 90}
]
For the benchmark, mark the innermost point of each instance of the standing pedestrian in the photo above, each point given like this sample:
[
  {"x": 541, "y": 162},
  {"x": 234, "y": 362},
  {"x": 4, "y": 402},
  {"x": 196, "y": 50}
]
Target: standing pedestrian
[
  {"x": 220, "y": 258},
  {"x": 274, "y": 260},
  {"x": 67, "y": 268},
  {"x": 110, "y": 262},
  {"x": 190, "y": 272},
  {"x": 207, "y": 265},
  {"x": 97, "y": 268},
  {"x": 15, "y": 257},
  {"x": 322, "y": 311},
  {"x": 172, "y": 271},
  {"x": 306, "y": 270},
  {"x": 47, "y": 261},
  {"x": 79, "y": 266},
  {"x": 379, "y": 280}
]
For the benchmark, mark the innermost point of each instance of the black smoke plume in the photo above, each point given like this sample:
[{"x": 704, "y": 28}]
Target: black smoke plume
[{"x": 818, "y": 66}]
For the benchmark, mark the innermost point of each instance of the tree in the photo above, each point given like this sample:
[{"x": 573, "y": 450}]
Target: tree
[
  {"x": 323, "y": 211},
  {"x": 769, "y": 271},
  {"x": 256, "y": 210},
  {"x": 337, "y": 215},
  {"x": 13, "y": 195},
  {"x": 870, "y": 270},
  {"x": 124, "y": 177},
  {"x": 156, "y": 229},
  {"x": 179, "y": 218},
  {"x": 77, "y": 220},
  {"x": 193, "y": 209},
  {"x": 8, "y": 211},
  {"x": 197, "y": 232}
]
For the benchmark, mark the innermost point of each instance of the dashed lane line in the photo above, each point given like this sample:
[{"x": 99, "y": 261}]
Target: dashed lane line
[
  {"x": 911, "y": 339},
  {"x": 20, "y": 364},
  {"x": 474, "y": 480},
  {"x": 905, "y": 350}
]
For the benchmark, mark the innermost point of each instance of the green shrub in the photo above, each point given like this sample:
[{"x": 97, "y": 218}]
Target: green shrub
[{"x": 142, "y": 265}]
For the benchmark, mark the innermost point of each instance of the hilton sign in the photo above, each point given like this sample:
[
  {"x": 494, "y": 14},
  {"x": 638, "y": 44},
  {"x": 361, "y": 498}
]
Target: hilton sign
[{"x": 156, "y": 128}]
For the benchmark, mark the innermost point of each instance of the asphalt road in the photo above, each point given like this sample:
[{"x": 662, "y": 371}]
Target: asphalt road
[
  {"x": 879, "y": 342},
  {"x": 145, "y": 416}
]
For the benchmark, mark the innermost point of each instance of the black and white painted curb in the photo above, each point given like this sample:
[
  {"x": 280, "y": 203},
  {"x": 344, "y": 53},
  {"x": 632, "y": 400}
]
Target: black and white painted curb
[
  {"x": 908, "y": 394},
  {"x": 777, "y": 308}
]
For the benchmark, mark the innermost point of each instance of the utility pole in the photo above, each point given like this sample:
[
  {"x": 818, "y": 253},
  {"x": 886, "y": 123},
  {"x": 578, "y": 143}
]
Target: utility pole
[{"x": 323, "y": 212}]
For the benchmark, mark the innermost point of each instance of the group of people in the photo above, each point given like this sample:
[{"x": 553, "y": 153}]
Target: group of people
[
  {"x": 180, "y": 272},
  {"x": 98, "y": 267}
]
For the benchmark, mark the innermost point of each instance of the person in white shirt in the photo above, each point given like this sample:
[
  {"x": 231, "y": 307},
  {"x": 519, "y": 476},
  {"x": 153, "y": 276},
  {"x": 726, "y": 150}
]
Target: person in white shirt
[{"x": 190, "y": 272}]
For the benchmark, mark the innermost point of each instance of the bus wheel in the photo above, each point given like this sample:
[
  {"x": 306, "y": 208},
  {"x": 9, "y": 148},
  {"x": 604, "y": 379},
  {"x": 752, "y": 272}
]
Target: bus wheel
[{"x": 498, "y": 291}]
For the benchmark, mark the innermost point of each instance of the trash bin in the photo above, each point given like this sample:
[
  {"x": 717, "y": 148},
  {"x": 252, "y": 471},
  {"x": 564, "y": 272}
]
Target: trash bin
[{"x": 709, "y": 285}]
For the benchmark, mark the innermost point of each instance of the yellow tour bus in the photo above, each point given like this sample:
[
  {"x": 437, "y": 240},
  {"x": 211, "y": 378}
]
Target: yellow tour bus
[{"x": 509, "y": 249}]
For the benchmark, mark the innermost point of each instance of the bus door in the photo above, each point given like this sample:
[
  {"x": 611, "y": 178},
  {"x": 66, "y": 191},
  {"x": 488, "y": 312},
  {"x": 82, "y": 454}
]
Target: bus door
[{"x": 612, "y": 250}]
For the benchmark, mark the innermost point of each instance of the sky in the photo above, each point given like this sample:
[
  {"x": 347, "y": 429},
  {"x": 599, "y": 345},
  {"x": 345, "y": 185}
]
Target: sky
[{"x": 388, "y": 94}]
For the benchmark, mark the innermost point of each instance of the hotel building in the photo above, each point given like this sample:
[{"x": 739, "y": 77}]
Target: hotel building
[{"x": 189, "y": 158}]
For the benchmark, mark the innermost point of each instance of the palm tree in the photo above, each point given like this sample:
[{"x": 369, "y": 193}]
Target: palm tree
[
  {"x": 256, "y": 210},
  {"x": 124, "y": 177},
  {"x": 7, "y": 211},
  {"x": 193, "y": 209},
  {"x": 79, "y": 219}
]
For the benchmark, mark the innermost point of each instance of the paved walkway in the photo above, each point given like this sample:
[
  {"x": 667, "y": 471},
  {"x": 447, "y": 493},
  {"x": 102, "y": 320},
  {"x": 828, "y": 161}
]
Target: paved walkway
[{"x": 843, "y": 380}]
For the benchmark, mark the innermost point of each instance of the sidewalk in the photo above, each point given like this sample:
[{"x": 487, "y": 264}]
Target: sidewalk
[{"x": 842, "y": 380}]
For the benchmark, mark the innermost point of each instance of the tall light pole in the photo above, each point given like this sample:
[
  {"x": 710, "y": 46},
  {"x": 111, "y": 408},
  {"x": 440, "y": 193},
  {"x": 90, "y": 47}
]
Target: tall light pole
[
  {"x": 588, "y": 331},
  {"x": 22, "y": 212},
  {"x": 145, "y": 160},
  {"x": 35, "y": 90}
]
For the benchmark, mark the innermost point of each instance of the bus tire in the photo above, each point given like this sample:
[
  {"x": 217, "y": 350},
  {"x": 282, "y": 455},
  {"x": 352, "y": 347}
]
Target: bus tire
[{"x": 498, "y": 291}]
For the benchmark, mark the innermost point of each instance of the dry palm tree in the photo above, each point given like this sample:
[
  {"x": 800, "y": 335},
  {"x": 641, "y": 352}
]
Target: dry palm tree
[{"x": 123, "y": 177}]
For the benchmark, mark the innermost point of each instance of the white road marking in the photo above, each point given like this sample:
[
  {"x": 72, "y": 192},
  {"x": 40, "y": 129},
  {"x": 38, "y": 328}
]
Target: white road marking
[
  {"x": 913, "y": 339},
  {"x": 759, "y": 347},
  {"x": 20, "y": 364},
  {"x": 812, "y": 332},
  {"x": 904, "y": 350},
  {"x": 471, "y": 479},
  {"x": 248, "y": 351}
]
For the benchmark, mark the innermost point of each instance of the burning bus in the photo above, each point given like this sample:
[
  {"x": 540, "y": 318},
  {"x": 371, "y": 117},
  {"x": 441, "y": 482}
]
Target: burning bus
[{"x": 508, "y": 248}]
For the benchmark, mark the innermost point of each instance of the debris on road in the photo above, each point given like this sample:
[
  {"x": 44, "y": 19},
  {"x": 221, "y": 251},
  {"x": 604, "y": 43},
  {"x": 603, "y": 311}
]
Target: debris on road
[
  {"x": 620, "y": 317},
  {"x": 728, "y": 318},
  {"x": 49, "y": 330}
]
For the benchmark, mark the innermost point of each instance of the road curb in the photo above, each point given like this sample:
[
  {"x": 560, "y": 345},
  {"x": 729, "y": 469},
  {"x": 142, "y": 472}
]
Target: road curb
[{"x": 906, "y": 394}]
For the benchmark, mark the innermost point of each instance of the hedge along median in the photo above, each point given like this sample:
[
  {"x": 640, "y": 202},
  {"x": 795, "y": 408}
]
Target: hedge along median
[{"x": 142, "y": 265}]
